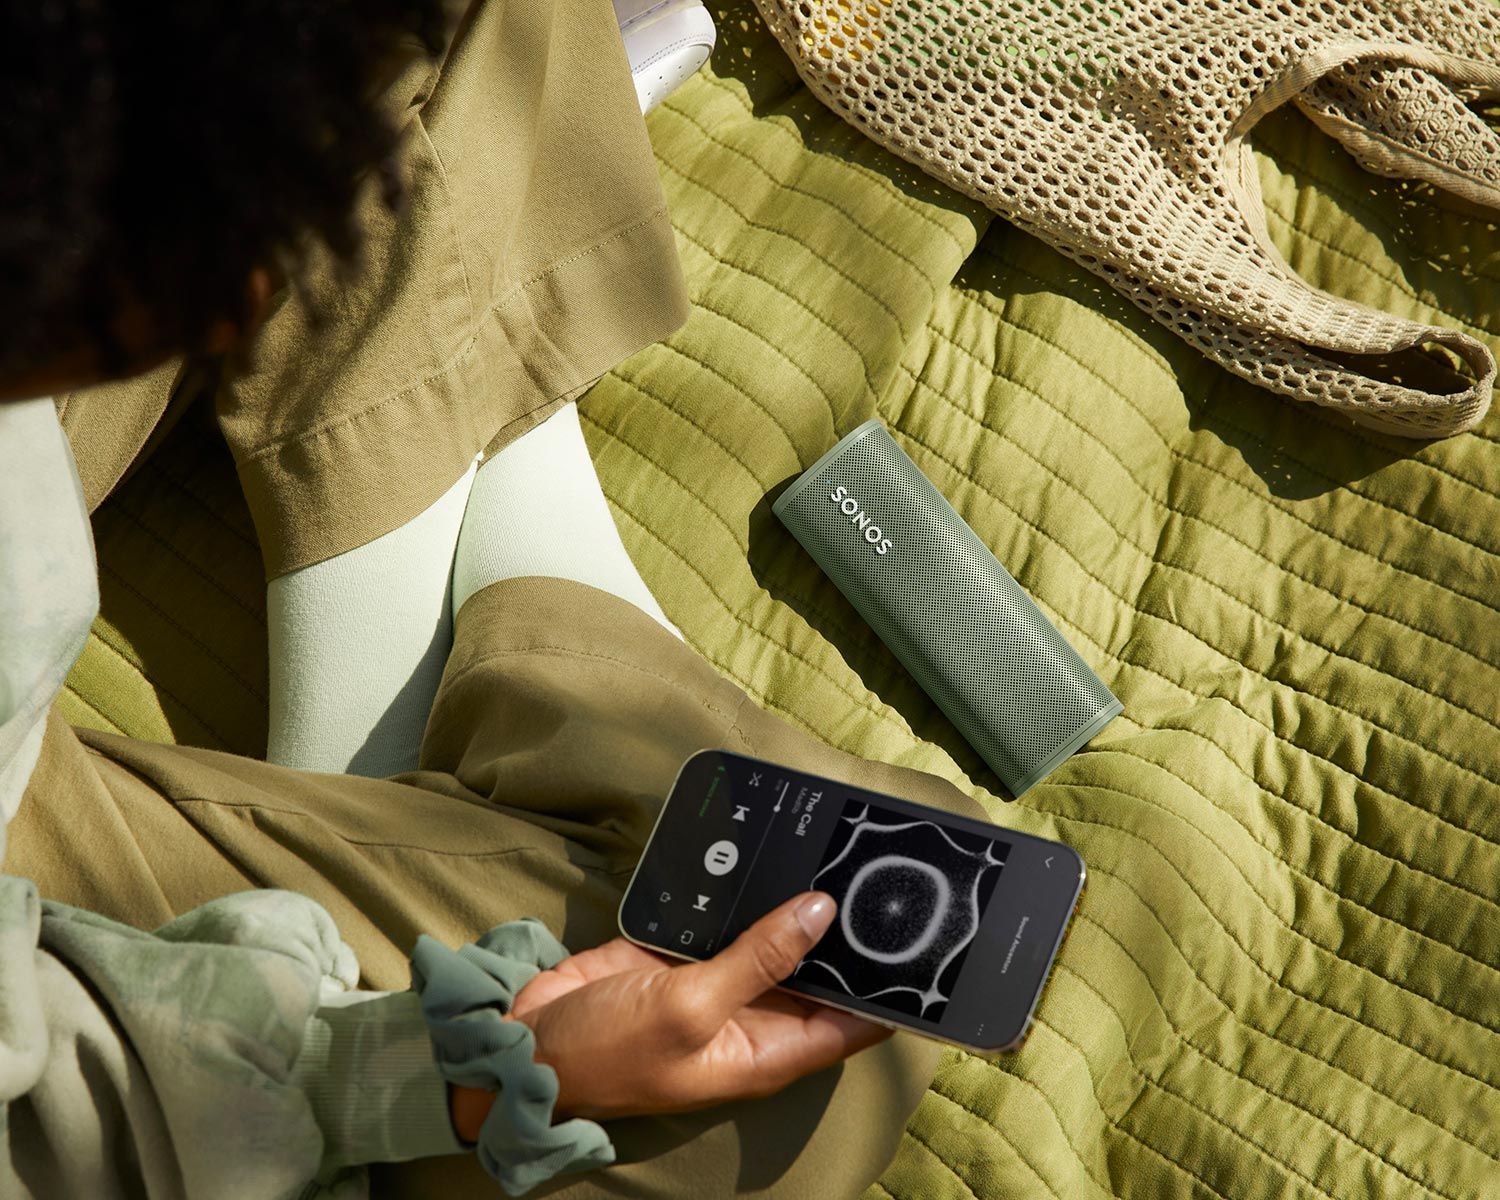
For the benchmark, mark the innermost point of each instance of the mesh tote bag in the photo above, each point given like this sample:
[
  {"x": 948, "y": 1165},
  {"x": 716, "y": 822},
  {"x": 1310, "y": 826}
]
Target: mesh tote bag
[{"x": 1117, "y": 131}]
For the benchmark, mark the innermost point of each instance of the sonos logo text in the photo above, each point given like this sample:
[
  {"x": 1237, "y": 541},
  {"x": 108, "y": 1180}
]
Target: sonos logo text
[{"x": 860, "y": 519}]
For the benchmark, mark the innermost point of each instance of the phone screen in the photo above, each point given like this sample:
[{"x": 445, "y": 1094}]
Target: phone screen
[{"x": 945, "y": 925}]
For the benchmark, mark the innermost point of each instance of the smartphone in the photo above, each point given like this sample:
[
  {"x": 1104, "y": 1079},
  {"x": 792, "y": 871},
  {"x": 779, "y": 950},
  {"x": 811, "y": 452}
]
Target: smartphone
[{"x": 946, "y": 926}]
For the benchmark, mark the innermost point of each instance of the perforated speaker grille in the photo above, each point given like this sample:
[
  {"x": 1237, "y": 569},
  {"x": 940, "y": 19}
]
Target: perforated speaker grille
[{"x": 937, "y": 596}]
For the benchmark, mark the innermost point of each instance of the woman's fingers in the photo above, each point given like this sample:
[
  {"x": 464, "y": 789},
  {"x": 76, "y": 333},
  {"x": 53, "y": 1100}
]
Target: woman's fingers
[
  {"x": 759, "y": 958},
  {"x": 629, "y": 1033},
  {"x": 785, "y": 1048}
]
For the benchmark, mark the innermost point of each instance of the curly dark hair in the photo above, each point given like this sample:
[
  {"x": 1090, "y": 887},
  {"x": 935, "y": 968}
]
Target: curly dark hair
[{"x": 153, "y": 154}]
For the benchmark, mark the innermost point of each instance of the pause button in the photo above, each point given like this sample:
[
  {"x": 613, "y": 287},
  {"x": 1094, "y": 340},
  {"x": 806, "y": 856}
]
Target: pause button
[{"x": 721, "y": 858}]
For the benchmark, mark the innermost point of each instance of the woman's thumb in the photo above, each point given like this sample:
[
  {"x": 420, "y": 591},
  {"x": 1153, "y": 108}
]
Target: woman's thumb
[{"x": 767, "y": 952}]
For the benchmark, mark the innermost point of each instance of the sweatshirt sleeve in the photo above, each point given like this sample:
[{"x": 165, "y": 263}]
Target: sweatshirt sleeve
[{"x": 221, "y": 1055}]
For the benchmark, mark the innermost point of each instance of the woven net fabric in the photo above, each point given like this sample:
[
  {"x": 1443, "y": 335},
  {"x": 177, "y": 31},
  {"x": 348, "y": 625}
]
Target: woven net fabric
[{"x": 1117, "y": 131}]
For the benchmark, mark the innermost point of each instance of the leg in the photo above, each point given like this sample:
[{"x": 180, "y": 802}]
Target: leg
[
  {"x": 563, "y": 717},
  {"x": 530, "y": 255},
  {"x": 357, "y": 646},
  {"x": 358, "y": 642},
  {"x": 537, "y": 509}
]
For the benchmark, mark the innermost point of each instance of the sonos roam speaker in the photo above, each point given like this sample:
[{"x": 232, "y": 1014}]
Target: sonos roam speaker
[{"x": 935, "y": 595}]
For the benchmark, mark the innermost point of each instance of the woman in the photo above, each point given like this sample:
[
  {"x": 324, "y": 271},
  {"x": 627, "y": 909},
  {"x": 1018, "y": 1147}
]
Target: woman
[{"x": 184, "y": 212}]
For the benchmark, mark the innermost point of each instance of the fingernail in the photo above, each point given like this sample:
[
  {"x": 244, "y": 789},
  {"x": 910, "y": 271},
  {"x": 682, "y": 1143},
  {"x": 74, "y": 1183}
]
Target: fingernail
[{"x": 815, "y": 914}]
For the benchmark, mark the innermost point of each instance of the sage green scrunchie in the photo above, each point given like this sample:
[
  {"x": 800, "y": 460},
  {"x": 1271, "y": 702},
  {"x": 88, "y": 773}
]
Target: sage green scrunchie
[{"x": 465, "y": 993}]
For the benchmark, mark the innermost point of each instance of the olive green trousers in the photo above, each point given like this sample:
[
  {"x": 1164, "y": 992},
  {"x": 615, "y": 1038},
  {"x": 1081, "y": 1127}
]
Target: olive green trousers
[
  {"x": 562, "y": 719},
  {"x": 529, "y": 254}
]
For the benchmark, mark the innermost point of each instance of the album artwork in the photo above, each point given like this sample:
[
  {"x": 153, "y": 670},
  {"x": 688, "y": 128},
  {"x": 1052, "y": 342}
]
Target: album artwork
[{"x": 910, "y": 895}]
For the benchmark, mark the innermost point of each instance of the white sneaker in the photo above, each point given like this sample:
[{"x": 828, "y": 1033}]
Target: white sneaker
[{"x": 666, "y": 41}]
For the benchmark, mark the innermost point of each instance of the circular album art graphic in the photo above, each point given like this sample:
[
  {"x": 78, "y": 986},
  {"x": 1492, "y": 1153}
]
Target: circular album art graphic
[{"x": 910, "y": 893}]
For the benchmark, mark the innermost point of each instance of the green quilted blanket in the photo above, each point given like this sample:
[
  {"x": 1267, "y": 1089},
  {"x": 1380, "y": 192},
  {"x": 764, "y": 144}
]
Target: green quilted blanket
[{"x": 1283, "y": 977}]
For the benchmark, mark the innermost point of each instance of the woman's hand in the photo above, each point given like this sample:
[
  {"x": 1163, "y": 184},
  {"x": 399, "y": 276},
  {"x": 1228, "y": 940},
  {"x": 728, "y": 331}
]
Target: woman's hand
[{"x": 631, "y": 1032}]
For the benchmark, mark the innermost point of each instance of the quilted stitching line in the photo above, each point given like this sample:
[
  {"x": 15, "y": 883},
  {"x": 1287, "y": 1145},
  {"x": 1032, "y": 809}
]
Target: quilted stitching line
[
  {"x": 866, "y": 173},
  {"x": 1159, "y": 1084},
  {"x": 135, "y": 518},
  {"x": 1350, "y": 490},
  {"x": 1269, "y": 1034},
  {"x": 744, "y": 392},
  {"x": 1256, "y": 965},
  {"x": 1254, "y": 435},
  {"x": 204, "y": 504},
  {"x": 1184, "y": 1040},
  {"x": 848, "y": 214},
  {"x": 92, "y": 707},
  {"x": 1255, "y": 782},
  {"x": 740, "y": 266},
  {"x": 1332, "y": 536},
  {"x": 135, "y": 667},
  {"x": 911, "y": 1132},
  {"x": 1184, "y": 457},
  {"x": 778, "y": 645},
  {"x": 748, "y": 222},
  {"x": 1394, "y": 281},
  {"x": 702, "y": 302},
  {"x": 1312, "y": 696},
  {"x": 197, "y": 642},
  {"x": 780, "y": 291},
  {"x": 618, "y": 439},
  {"x": 991, "y": 1125},
  {"x": 1130, "y": 339},
  {"x": 1117, "y": 748},
  {"x": 1181, "y": 1168},
  {"x": 928, "y": 348},
  {"x": 1281, "y": 863},
  {"x": 761, "y": 697}
]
